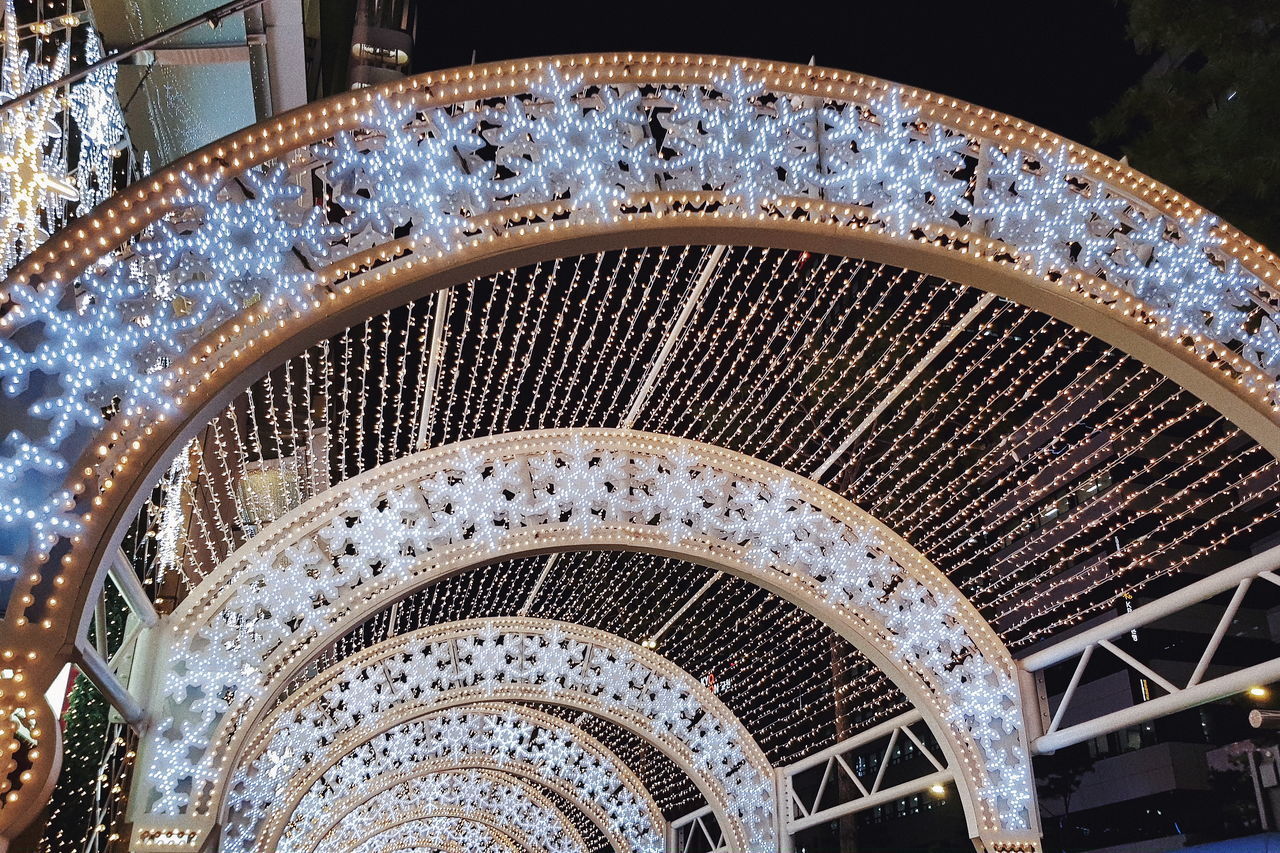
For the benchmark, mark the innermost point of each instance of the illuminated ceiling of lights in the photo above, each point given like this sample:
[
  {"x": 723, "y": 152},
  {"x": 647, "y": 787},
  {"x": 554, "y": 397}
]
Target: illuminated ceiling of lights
[{"x": 1047, "y": 473}]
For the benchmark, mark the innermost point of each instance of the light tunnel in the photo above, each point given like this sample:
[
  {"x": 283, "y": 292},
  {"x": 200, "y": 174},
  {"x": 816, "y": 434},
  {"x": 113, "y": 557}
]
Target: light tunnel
[{"x": 482, "y": 386}]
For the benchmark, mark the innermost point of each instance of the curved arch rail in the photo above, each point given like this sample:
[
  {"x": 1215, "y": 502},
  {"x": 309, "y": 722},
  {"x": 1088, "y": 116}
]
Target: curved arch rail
[
  {"x": 502, "y": 800},
  {"x": 179, "y": 291},
  {"x": 358, "y": 547}
]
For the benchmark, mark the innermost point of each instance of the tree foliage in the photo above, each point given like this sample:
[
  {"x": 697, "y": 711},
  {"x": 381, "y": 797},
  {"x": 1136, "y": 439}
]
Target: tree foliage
[{"x": 1205, "y": 118}]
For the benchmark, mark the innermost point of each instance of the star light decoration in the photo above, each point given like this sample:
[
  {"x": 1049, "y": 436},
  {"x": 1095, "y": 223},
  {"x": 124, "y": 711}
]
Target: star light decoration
[
  {"x": 440, "y": 835},
  {"x": 544, "y": 747},
  {"x": 587, "y": 147},
  {"x": 96, "y": 111},
  {"x": 560, "y": 662},
  {"x": 37, "y": 180},
  {"x": 500, "y": 799},
  {"x": 295, "y": 593},
  {"x": 35, "y": 184}
]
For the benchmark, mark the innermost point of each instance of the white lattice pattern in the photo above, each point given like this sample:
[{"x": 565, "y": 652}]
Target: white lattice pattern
[
  {"x": 546, "y": 748},
  {"x": 318, "y": 568},
  {"x": 528, "y": 817}
]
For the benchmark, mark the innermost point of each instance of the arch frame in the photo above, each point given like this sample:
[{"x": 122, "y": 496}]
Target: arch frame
[
  {"x": 596, "y": 751},
  {"x": 235, "y": 345},
  {"x": 497, "y": 834},
  {"x": 861, "y": 623},
  {"x": 450, "y": 812},
  {"x": 250, "y": 740},
  {"x": 82, "y": 525},
  {"x": 514, "y": 772},
  {"x": 528, "y": 792}
]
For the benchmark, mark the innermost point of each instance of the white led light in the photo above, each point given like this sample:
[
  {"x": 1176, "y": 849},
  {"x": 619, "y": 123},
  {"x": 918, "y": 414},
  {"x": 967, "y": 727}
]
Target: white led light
[
  {"x": 583, "y": 148},
  {"x": 301, "y": 588}
]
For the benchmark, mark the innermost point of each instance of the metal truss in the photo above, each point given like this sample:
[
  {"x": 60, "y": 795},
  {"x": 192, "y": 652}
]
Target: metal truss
[
  {"x": 802, "y": 812},
  {"x": 1196, "y": 690},
  {"x": 110, "y": 672},
  {"x": 687, "y": 834}
]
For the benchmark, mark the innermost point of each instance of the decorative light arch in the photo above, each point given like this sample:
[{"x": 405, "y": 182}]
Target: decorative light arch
[
  {"x": 416, "y": 840},
  {"x": 421, "y": 842},
  {"x": 178, "y": 292},
  {"x": 506, "y": 659},
  {"x": 502, "y": 800},
  {"x": 500, "y": 766},
  {"x": 432, "y": 834},
  {"x": 391, "y": 832},
  {"x": 324, "y": 567},
  {"x": 494, "y": 736}
]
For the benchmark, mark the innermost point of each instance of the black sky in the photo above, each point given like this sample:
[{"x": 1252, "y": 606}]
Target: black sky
[{"x": 1058, "y": 64}]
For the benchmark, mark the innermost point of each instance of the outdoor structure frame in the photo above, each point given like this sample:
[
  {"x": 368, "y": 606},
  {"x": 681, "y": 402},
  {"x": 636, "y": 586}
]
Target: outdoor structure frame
[{"x": 202, "y": 279}]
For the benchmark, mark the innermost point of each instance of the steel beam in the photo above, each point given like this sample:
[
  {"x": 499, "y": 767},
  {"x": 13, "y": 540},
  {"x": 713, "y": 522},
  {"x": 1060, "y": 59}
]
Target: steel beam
[
  {"x": 199, "y": 54},
  {"x": 1224, "y": 624},
  {"x": 879, "y": 798},
  {"x": 1199, "y": 694},
  {"x": 122, "y": 574},
  {"x": 537, "y": 585},
  {"x": 833, "y": 758},
  {"x": 696, "y": 820},
  {"x": 905, "y": 383},
  {"x": 97, "y": 670},
  {"x": 438, "y": 324},
  {"x": 1205, "y": 588},
  {"x": 693, "y": 599},
  {"x": 1196, "y": 692},
  {"x": 691, "y": 301}
]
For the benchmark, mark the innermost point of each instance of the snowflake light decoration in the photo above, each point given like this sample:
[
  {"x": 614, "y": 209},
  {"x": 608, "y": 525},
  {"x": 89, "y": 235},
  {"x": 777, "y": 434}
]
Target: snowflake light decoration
[
  {"x": 501, "y": 738},
  {"x": 96, "y": 111},
  {"x": 35, "y": 184},
  {"x": 381, "y": 531},
  {"x": 592, "y": 149},
  {"x": 492, "y": 798}
]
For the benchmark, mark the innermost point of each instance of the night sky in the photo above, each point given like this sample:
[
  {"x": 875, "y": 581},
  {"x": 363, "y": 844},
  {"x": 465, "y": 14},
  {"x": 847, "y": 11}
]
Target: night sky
[{"x": 1058, "y": 64}]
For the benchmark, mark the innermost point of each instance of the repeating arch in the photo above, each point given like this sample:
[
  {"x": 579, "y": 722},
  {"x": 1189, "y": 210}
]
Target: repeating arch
[
  {"x": 531, "y": 818},
  {"x": 525, "y": 660},
  {"x": 379, "y": 836},
  {"x": 178, "y": 292},
  {"x": 508, "y": 770},
  {"x": 359, "y": 546},
  {"x": 193, "y": 283},
  {"x": 431, "y": 844},
  {"x": 427, "y": 844},
  {"x": 417, "y": 843},
  {"x": 494, "y": 736},
  {"x": 442, "y": 833}
]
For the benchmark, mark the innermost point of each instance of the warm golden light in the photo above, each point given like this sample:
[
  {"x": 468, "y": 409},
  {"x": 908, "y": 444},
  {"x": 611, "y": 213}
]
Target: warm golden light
[{"x": 1258, "y": 692}]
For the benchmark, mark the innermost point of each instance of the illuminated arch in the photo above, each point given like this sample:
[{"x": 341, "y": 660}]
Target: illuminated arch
[
  {"x": 395, "y": 832},
  {"x": 494, "y": 736},
  {"x": 502, "y": 800},
  {"x": 522, "y": 660},
  {"x": 421, "y": 840},
  {"x": 194, "y": 283},
  {"x": 418, "y": 839},
  {"x": 441, "y": 833},
  {"x": 354, "y": 549},
  {"x": 509, "y": 771}
]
